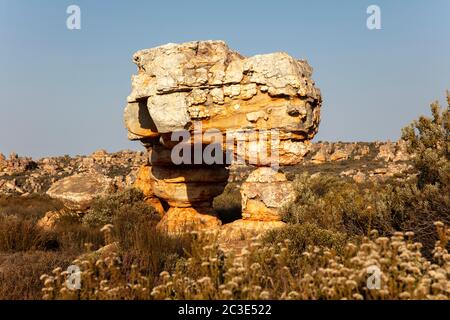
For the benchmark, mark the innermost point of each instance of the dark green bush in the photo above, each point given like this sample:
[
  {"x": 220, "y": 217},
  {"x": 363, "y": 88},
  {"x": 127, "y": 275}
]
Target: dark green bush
[
  {"x": 103, "y": 210},
  {"x": 420, "y": 205},
  {"x": 428, "y": 139},
  {"x": 412, "y": 208}
]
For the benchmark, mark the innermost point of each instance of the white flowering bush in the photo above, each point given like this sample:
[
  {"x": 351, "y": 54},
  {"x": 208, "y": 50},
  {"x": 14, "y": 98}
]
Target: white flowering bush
[{"x": 273, "y": 272}]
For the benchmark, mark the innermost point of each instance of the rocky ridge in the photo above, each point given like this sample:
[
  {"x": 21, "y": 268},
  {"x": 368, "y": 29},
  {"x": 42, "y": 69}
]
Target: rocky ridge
[
  {"x": 21, "y": 175},
  {"x": 24, "y": 176}
]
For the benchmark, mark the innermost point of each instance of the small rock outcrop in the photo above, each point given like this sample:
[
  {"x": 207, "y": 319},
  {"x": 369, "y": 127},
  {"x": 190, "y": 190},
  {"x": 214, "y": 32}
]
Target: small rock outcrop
[
  {"x": 263, "y": 193},
  {"x": 16, "y": 164}
]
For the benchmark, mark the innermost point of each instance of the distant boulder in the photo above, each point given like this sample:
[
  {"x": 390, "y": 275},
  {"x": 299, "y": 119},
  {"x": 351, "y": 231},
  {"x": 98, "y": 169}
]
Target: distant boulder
[{"x": 78, "y": 191}]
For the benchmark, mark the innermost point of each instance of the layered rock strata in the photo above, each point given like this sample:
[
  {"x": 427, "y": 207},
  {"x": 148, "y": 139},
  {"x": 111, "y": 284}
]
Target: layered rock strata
[{"x": 259, "y": 110}]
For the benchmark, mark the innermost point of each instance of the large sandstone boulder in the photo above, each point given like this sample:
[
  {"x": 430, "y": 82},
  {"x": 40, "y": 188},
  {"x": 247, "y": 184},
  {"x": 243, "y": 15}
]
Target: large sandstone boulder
[
  {"x": 77, "y": 191},
  {"x": 206, "y": 81},
  {"x": 259, "y": 110}
]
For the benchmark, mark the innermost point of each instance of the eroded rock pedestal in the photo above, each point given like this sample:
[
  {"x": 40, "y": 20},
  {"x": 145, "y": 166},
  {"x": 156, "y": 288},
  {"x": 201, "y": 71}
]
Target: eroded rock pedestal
[
  {"x": 264, "y": 194},
  {"x": 260, "y": 110},
  {"x": 188, "y": 191}
]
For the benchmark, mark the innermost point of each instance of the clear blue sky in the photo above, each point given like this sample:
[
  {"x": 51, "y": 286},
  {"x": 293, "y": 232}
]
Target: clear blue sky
[{"x": 63, "y": 92}]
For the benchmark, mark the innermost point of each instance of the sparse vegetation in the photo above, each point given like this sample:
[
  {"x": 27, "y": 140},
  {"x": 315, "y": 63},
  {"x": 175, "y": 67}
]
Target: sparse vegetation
[
  {"x": 273, "y": 272},
  {"x": 144, "y": 246},
  {"x": 30, "y": 207},
  {"x": 23, "y": 235},
  {"x": 103, "y": 210},
  {"x": 429, "y": 140},
  {"x": 27, "y": 250},
  {"x": 302, "y": 236},
  {"x": 20, "y": 272},
  {"x": 324, "y": 252},
  {"x": 339, "y": 205},
  {"x": 333, "y": 203}
]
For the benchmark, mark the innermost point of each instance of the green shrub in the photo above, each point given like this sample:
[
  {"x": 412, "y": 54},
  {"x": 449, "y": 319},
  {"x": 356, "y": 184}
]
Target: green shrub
[
  {"x": 103, "y": 210},
  {"x": 333, "y": 203},
  {"x": 419, "y": 205},
  {"x": 303, "y": 235},
  {"x": 428, "y": 139},
  {"x": 414, "y": 208}
]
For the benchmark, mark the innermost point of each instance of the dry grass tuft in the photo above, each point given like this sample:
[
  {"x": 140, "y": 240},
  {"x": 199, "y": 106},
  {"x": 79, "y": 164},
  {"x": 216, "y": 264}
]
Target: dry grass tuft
[{"x": 274, "y": 272}]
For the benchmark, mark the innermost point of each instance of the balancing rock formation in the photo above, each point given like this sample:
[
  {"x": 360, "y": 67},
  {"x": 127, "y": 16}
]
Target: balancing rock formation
[{"x": 265, "y": 102}]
